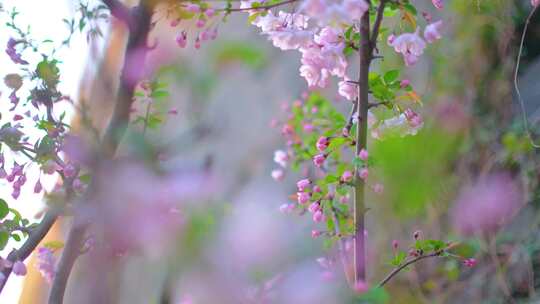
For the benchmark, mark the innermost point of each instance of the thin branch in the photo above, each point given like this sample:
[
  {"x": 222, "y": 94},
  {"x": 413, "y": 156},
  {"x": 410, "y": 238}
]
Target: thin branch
[
  {"x": 33, "y": 240},
  {"x": 518, "y": 93},
  {"x": 350, "y": 121},
  {"x": 262, "y": 7},
  {"x": 377, "y": 24},
  {"x": 406, "y": 264}
]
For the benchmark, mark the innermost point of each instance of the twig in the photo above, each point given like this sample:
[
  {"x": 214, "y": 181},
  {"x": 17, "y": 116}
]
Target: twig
[
  {"x": 33, "y": 240},
  {"x": 350, "y": 121},
  {"x": 261, "y": 7},
  {"x": 518, "y": 93},
  {"x": 406, "y": 264},
  {"x": 377, "y": 24}
]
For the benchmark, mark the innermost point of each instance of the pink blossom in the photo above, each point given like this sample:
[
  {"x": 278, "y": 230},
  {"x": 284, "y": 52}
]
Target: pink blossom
[
  {"x": 417, "y": 234},
  {"x": 535, "y": 2},
  {"x": 303, "y": 197},
  {"x": 361, "y": 286},
  {"x": 210, "y": 12},
  {"x": 363, "y": 154},
  {"x": 278, "y": 174},
  {"x": 347, "y": 89},
  {"x": 312, "y": 75},
  {"x": 316, "y": 189},
  {"x": 314, "y": 207},
  {"x": 16, "y": 193},
  {"x": 395, "y": 244},
  {"x": 197, "y": 44},
  {"x": 390, "y": 39},
  {"x": 438, "y": 4},
  {"x": 193, "y": 8},
  {"x": 404, "y": 83},
  {"x": 290, "y": 38},
  {"x": 38, "y": 187},
  {"x": 287, "y": 129},
  {"x": 318, "y": 216},
  {"x": 308, "y": 128},
  {"x": 363, "y": 173},
  {"x": 347, "y": 176},
  {"x": 46, "y": 263},
  {"x": 302, "y": 184},
  {"x": 319, "y": 159},
  {"x": 322, "y": 143},
  {"x": 413, "y": 118},
  {"x": 432, "y": 31},
  {"x": 281, "y": 158},
  {"x": 315, "y": 233},
  {"x": 469, "y": 262},
  {"x": 410, "y": 45},
  {"x": 378, "y": 188},
  {"x": 19, "y": 268},
  {"x": 486, "y": 204},
  {"x": 69, "y": 170},
  {"x": 355, "y": 8}
]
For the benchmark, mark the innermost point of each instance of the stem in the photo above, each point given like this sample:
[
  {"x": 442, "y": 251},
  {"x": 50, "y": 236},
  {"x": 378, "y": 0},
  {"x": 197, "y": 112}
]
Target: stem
[
  {"x": 146, "y": 116},
  {"x": 361, "y": 143},
  {"x": 516, "y": 87},
  {"x": 404, "y": 265},
  {"x": 139, "y": 27}
]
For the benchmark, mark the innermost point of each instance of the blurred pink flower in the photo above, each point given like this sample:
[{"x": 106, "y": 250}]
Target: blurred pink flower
[
  {"x": 46, "y": 263},
  {"x": 432, "y": 32},
  {"x": 19, "y": 268},
  {"x": 486, "y": 205}
]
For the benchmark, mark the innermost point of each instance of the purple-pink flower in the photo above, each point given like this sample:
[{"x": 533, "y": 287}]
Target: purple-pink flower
[
  {"x": 432, "y": 32},
  {"x": 410, "y": 45},
  {"x": 486, "y": 205},
  {"x": 347, "y": 89}
]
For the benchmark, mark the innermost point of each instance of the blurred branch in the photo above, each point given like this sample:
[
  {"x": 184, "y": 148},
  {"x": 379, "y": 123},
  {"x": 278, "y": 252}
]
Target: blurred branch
[
  {"x": 36, "y": 235},
  {"x": 139, "y": 28},
  {"x": 406, "y": 264},
  {"x": 518, "y": 93},
  {"x": 118, "y": 10}
]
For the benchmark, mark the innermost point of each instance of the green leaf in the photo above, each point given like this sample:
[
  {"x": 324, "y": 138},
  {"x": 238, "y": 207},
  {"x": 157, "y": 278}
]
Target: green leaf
[
  {"x": 4, "y": 209},
  {"x": 159, "y": 94},
  {"x": 399, "y": 258},
  {"x": 391, "y": 76},
  {"x": 374, "y": 296},
  {"x": 4, "y": 238}
]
